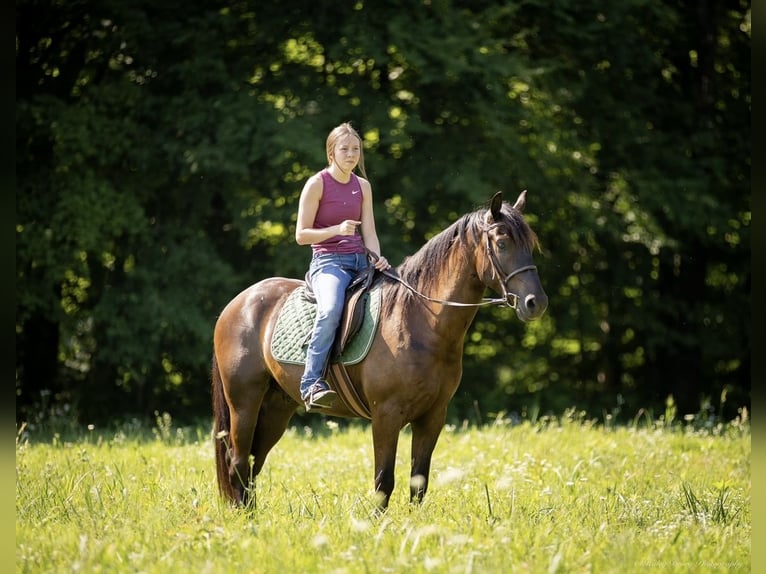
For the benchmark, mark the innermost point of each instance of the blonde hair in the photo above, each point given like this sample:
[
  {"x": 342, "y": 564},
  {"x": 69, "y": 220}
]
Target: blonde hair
[{"x": 345, "y": 129}]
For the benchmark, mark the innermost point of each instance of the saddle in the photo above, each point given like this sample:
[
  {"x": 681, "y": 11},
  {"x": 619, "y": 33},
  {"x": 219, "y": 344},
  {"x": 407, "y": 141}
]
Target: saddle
[
  {"x": 353, "y": 308},
  {"x": 353, "y": 317}
]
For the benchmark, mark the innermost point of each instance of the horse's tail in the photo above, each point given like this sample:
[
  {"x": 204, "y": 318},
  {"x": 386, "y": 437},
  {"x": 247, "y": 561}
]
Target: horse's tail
[{"x": 221, "y": 429}]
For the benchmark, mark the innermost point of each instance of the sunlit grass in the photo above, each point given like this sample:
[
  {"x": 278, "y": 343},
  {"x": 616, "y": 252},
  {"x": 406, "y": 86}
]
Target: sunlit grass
[{"x": 554, "y": 496}]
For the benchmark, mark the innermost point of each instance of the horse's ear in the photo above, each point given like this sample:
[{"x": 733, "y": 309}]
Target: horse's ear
[
  {"x": 521, "y": 201},
  {"x": 496, "y": 206}
]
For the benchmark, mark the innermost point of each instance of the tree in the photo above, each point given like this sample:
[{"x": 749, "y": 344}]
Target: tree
[{"x": 161, "y": 149}]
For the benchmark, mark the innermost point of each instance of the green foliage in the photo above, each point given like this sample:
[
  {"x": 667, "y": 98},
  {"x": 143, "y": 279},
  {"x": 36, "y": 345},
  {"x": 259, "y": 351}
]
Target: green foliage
[
  {"x": 561, "y": 494},
  {"x": 161, "y": 150}
]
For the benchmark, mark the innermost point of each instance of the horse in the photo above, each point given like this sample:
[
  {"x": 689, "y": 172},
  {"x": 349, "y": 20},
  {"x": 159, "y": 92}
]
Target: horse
[{"x": 414, "y": 364}]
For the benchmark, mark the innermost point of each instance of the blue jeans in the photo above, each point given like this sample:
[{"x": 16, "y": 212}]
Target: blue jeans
[{"x": 330, "y": 274}]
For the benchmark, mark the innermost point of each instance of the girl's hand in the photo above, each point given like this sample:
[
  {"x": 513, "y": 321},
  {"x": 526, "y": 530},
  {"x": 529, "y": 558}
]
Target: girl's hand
[
  {"x": 348, "y": 227},
  {"x": 381, "y": 264}
]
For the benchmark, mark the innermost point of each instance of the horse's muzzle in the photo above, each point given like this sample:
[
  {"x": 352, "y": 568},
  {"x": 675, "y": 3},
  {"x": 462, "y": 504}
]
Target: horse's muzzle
[{"x": 532, "y": 306}]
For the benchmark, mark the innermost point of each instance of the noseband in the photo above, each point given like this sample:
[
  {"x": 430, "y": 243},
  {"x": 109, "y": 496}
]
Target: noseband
[{"x": 509, "y": 298}]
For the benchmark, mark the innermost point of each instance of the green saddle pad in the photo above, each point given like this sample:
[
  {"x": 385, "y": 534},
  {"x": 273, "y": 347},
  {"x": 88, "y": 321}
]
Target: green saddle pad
[{"x": 296, "y": 320}]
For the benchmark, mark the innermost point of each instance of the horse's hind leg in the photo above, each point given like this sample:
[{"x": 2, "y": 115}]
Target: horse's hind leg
[
  {"x": 276, "y": 411},
  {"x": 244, "y": 417},
  {"x": 259, "y": 414},
  {"x": 255, "y": 433},
  {"x": 425, "y": 433}
]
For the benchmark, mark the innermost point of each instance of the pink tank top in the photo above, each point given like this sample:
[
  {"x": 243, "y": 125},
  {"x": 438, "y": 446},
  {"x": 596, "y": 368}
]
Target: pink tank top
[{"x": 340, "y": 201}]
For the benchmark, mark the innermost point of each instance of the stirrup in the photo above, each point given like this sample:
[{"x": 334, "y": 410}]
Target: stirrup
[{"x": 320, "y": 396}]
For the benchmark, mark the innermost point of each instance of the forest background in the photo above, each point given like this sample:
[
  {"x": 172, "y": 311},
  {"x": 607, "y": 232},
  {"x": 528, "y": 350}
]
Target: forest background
[{"x": 161, "y": 149}]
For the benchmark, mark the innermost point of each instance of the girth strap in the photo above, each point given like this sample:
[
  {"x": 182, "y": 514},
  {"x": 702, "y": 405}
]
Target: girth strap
[{"x": 344, "y": 386}]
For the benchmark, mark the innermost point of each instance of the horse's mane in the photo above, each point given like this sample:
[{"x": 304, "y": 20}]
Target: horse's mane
[{"x": 422, "y": 269}]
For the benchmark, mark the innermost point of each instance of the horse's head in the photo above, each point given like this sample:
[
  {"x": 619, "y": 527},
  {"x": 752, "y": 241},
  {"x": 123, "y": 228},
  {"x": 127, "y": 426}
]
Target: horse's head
[{"x": 508, "y": 267}]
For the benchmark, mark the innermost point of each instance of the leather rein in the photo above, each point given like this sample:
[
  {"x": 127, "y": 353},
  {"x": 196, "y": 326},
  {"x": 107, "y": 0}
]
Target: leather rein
[{"x": 509, "y": 298}]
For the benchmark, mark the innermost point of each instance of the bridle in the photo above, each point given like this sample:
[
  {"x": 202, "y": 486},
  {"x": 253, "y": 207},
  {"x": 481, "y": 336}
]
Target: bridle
[{"x": 508, "y": 299}]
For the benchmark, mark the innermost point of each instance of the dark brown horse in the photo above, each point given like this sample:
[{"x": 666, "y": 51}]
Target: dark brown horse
[{"x": 413, "y": 367}]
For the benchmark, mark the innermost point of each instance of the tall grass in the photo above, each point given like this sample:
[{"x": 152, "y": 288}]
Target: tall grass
[{"x": 556, "y": 495}]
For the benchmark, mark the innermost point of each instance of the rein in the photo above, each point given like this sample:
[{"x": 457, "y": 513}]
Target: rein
[{"x": 509, "y": 298}]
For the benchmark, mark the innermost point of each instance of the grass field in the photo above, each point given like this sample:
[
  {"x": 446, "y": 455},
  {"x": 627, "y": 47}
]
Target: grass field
[{"x": 557, "y": 495}]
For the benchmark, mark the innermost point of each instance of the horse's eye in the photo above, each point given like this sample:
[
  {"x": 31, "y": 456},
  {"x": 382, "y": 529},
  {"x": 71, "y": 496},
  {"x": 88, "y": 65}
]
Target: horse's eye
[{"x": 501, "y": 245}]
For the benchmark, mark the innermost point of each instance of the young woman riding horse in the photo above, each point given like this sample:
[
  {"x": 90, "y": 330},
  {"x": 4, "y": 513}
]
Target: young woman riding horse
[{"x": 414, "y": 364}]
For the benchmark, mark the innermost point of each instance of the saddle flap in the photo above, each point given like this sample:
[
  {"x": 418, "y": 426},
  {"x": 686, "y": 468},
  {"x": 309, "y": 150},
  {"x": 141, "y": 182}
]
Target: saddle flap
[
  {"x": 308, "y": 290},
  {"x": 350, "y": 323},
  {"x": 353, "y": 311}
]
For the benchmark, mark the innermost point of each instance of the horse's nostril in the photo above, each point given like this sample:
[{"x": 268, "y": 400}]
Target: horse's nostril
[{"x": 529, "y": 302}]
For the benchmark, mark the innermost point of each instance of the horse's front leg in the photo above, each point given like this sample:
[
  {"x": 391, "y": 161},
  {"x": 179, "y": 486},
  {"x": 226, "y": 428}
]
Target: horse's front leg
[
  {"x": 425, "y": 433},
  {"x": 385, "y": 438}
]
